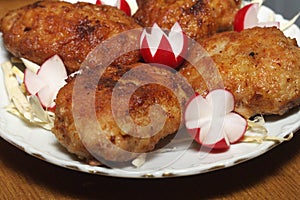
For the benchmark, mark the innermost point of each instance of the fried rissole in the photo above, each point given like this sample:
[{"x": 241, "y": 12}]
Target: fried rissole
[
  {"x": 164, "y": 89},
  {"x": 260, "y": 66},
  {"x": 198, "y": 19},
  {"x": 40, "y": 30}
]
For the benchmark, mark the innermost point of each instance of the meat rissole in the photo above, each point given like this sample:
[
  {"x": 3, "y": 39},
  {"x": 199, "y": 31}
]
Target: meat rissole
[
  {"x": 43, "y": 29},
  {"x": 198, "y": 19},
  {"x": 260, "y": 66},
  {"x": 165, "y": 89}
]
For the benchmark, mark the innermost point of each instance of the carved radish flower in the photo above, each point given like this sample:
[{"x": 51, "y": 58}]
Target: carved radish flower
[
  {"x": 47, "y": 81},
  {"x": 212, "y": 122},
  {"x": 247, "y": 17},
  {"x": 161, "y": 48},
  {"x": 121, "y": 4}
]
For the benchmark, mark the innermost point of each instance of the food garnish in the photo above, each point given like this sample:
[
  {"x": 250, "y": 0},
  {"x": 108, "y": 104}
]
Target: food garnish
[
  {"x": 140, "y": 160},
  {"x": 30, "y": 65},
  {"x": 46, "y": 82},
  {"x": 257, "y": 132},
  {"x": 247, "y": 17},
  {"x": 161, "y": 48},
  {"x": 27, "y": 108},
  {"x": 121, "y": 4},
  {"x": 290, "y": 23},
  {"x": 212, "y": 122}
]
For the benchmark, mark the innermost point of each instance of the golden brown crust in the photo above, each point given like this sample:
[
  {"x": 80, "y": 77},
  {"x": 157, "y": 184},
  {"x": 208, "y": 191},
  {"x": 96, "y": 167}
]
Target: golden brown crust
[
  {"x": 40, "y": 30},
  {"x": 198, "y": 19},
  {"x": 260, "y": 66},
  {"x": 161, "y": 90}
]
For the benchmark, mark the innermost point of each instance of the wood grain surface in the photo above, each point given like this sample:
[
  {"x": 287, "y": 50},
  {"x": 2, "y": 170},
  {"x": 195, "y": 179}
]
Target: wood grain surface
[{"x": 274, "y": 175}]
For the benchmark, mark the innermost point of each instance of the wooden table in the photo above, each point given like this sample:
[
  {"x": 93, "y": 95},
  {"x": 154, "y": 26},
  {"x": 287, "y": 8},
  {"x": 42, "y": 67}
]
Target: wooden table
[{"x": 274, "y": 175}]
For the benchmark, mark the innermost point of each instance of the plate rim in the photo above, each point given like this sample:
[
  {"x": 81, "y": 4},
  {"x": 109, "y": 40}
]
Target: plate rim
[{"x": 99, "y": 170}]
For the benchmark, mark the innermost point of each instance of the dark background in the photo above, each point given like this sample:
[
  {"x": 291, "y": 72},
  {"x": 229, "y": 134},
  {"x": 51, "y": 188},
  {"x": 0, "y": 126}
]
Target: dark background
[{"x": 287, "y": 8}]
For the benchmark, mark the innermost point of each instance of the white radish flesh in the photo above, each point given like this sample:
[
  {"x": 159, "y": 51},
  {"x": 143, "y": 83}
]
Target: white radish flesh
[
  {"x": 222, "y": 101},
  {"x": 212, "y": 122},
  {"x": 33, "y": 82},
  {"x": 235, "y": 127},
  {"x": 48, "y": 81}
]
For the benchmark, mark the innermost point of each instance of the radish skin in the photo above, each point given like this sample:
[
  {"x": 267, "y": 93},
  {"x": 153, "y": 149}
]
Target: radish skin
[
  {"x": 159, "y": 48},
  {"x": 247, "y": 17},
  {"x": 47, "y": 82},
  {"x": 212, "y": 122}
]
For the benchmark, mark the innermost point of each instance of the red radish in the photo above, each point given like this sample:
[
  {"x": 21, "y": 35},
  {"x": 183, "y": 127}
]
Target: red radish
[
  {"x": 33, "y": 83},
  {"x": 158, "y": 47},
  {"x": 123, "y": 5},
  {"x": 212, "y": 122},
  {"x": 47, "y": 82},
  {"x": 234, "y": 126},
  {"x": 247, "y": 18}
]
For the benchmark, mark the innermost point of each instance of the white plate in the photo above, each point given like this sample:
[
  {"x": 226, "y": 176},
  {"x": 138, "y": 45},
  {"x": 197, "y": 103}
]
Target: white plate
[{"x": 42, "y": 144}]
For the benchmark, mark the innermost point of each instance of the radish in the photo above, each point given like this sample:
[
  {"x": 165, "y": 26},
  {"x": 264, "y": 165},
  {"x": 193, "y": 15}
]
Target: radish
[
  {"x": 47, "y": 81},
  {"x": 212, "y": 122},
  {"x": 121, "y": 4},
  {"x": 158, "y": 47},
  {"x": 247, "y": 18}
]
